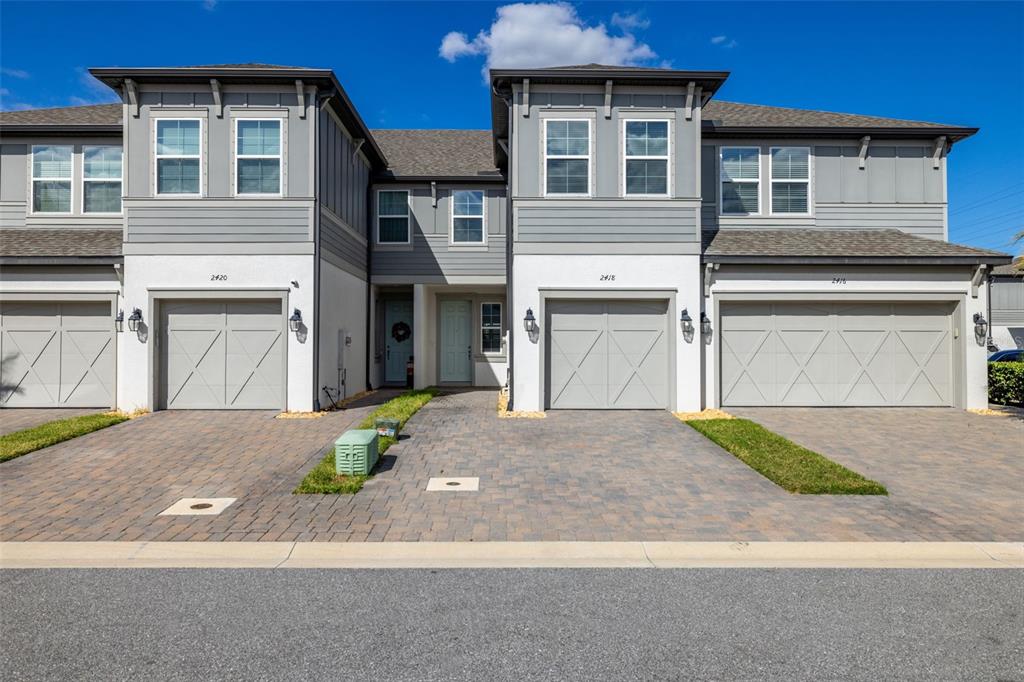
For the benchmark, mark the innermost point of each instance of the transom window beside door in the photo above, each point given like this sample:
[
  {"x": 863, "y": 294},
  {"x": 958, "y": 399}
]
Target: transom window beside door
[
  {"x": 567, "y": 157},
  {"x": 51, "y": 179},
  {"x": 258, "y": 156},
  {"x": 741, "y": 180},
  {"x": 468, "y": 216},
  {"x": 790, "y": 179},
  {"x": 101, "y": 179},
  {"x": 393, "y": 216},
  {"x": 646, "y": 151},
  {"x": 490, "y": 328},
  {"x": 178, "y": 156}
]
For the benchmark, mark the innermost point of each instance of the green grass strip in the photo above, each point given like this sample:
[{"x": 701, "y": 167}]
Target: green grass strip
[
  {"x": 323, "y": 479},
  {"x": 783, "y": 462},
  {"x": 43, "y": 436}
]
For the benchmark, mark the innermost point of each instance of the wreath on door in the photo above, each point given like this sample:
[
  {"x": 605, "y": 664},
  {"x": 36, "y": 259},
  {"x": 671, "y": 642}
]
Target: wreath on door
[{"x": 400, "y": 331}]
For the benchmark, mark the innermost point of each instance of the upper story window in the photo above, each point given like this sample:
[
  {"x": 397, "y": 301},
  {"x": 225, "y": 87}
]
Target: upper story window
[
  {"x": 741, "y": 180},
  {"x": 178, "y": 156},
  {"x": 567, "y": 157},
  {"x": 101, "y": 179},
  {"x": 393, "y": 216},
  {"x": 490, "y": 328},
  {"x": 258, "y": 156},
  {"x": 51, "y": 178},
  {"x": 468, "y": 216},
  {"x": 790, "y": 182},
  {"x": 646, "y": 152}
]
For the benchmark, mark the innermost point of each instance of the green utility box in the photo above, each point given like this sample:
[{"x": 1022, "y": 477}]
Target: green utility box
[
  {"x": 355, "y": 452},
  {"x": 387, "y": 428}
]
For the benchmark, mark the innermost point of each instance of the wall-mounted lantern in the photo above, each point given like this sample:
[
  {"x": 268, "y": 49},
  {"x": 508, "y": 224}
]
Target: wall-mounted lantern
[
  {"x": 980, "y": 326},
  {"x": 705, "y": 324},
  {"x": 686, "y": 321},
  {"x": 119, "y": 321},
  {"x": 295, "y": 321},
  {"x": 530, "y": 322},
  {"x": 135, "y": 320}
]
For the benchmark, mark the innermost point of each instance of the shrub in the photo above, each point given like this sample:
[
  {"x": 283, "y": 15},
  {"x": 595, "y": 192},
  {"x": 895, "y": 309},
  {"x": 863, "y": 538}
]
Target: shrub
[{"x": 1006, "y": 383}]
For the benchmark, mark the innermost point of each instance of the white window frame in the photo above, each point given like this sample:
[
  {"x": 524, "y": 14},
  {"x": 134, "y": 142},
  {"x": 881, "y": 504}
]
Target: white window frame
[
  {"x": 157, "y": 156},
  {"x": 452, "y": 216},
  {"x": 33, "y": 179},
  {"x": 667, "y": 157},
  {"x": 589, "y": 157},
  {"x": 501, "y": 328},
  {"x": 722, "y": 180},
  {"x": 407, "y": 216},
  {"x": 807, "y": 181},
  {"x": 235, "y": 156},
  {"x": 119, "y": 179}
]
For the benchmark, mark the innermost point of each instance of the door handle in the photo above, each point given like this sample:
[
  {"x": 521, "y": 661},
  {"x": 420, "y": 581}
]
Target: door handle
[{"x": 389, "y": 352}]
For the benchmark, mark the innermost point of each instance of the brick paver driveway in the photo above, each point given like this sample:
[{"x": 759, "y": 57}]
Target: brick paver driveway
[
  {"x": 16, "y": 419},
  {"x": 572, "y": 476}
]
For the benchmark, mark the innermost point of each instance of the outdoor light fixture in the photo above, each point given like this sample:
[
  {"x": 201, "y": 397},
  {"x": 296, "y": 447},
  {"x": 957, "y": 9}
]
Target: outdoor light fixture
[
  {"x": 980, "y": 325},
  {"x": 119, "y": 321},
  {"x": 529, "y": 322},
  {"x": 705, "y": 324},
  {"x": 135, "y": 319},
  {"x": 686, "y": 321},
  {"x": 295, "y": 321}
]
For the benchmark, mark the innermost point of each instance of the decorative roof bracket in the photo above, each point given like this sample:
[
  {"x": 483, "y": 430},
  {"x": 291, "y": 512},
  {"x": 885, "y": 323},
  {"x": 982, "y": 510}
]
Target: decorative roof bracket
[
  {"x": 940, "y": 147},
  {"x": 709, "y": 269},
  {"x": 689, "y": 100},
  {"x": 300, "y": 92},
  {"x": 356, "y": 146},
  {"x": 132, "y": 93},
  {"x": 526, "y": 98},
  {"x": 979, "y": 274},
  {"x": 608, "y": 98},
  {"x": 433, "y": 193},
  {"x": 863, "y": 156},
  {"x": 217, "y": 101}
]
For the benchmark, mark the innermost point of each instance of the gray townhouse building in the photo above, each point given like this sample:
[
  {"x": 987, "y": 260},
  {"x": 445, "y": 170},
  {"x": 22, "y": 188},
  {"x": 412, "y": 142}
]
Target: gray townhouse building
[{"x": 236, "y": 237}]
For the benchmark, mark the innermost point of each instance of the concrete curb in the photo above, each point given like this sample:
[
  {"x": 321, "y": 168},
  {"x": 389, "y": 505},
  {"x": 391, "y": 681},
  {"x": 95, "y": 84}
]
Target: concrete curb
[{"x": 511, "y": 555}]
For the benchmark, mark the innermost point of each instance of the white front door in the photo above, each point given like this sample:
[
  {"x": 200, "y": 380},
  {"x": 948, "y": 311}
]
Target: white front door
[
  {"x": 456, "y": 342},
  {"x": 398, "y": 340}
]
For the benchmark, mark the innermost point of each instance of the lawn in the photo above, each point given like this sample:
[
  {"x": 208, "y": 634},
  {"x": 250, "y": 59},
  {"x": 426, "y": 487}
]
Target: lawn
[
  {"x": 23, "y": 442},
  {"x": 783, "y": 462},
  {"x": 322, "y": 479}
]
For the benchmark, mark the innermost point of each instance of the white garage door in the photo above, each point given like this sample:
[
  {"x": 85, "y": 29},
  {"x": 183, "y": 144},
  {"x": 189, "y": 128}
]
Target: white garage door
[
  {"x": 56, "y": 354},
  {"x": 607, "y": 354},
  {"x": 223, "y": 355},
  {"x": 837, "y": 354}
]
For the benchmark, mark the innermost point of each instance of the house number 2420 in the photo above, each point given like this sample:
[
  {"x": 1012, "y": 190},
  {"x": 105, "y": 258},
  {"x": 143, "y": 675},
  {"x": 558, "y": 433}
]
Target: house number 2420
[
  {"x": 607, "y": 278},
  {"x": 218, "y": 278}
]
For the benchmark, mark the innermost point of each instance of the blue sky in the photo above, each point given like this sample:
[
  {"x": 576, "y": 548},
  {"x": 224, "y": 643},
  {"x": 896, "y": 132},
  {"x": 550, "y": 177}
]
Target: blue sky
[{"x": 958, "y": 63}]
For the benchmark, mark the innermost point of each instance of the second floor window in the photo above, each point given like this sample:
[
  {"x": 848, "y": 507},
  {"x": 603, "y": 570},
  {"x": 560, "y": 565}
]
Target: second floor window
[
  {"x": 790, "y": 179},
  {"x": 178, "y": 156},
  {"x": 393, "y": 216},
  {"x": 741, "y": 180},
  {"x": 101, "y": 179},
  {"x": 51, "y": 179},
  {"x": 258, "y": 156},
  {"x": 646, "y": 151},
  {"x": 567, "y": 157},
  {"x": 468, "y": 216}
]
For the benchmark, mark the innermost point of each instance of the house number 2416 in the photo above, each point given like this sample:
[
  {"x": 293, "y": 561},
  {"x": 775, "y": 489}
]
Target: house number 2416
[{"x": 838, "y": 280}]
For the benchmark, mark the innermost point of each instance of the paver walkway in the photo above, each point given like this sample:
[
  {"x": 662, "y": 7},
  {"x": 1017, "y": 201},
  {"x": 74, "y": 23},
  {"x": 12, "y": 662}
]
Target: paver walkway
[
  {"x": 573, "y": 476},
  {"x": 17, "y": 419}
]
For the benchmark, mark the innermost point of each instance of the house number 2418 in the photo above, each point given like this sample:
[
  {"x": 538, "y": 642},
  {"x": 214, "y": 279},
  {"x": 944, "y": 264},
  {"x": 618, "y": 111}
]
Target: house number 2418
[{"x": 607, "y": 278}]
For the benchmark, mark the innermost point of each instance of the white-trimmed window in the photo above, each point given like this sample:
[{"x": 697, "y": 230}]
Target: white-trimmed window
[
  {"x": 567, "y": 157},
  {"x": 179, "y": 156},
  {"x": 741, "y": 180},
  {"x": 393, "y": 216},
  {"x": 102, "y": 170},
  {"x": 490, "y": 328},
  {"x": 468, "y": 216},
  {"x": 646, "y": 163},
  {"x": 791, "y": 180},
  {"x": 257, "y": 156},
  {"x": 51, "y": 178}
]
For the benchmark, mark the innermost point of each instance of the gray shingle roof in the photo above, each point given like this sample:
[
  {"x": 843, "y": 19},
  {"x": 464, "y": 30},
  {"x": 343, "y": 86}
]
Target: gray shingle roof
[
  {"x": 831, "y": 245},
  {"x": 92, "y": 114},
  {"x": 438, "y": 153},
  {"x": 1014, "y": 269},
  {"x": 73, "y": 243},
  {"x": 720, "y": 113}
]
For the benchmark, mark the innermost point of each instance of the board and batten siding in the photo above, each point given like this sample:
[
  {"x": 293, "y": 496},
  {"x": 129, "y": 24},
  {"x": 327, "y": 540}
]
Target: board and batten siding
[
  {"x": 1007, "y": 301},
  {"x": 898, "y": 188},
  {"x": 344, "y": 178},
  {"x": 431, "y": 258}
]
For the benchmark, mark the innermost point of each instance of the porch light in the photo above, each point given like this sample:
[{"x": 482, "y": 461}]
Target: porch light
[
  {"x": 705, "y": 324},
  {"x": 119, "y": 321},
  {"x": 295, "y": 321},
  {"x": 686, "y": 321},
  {"x": 980, "y": 325},
  {"x": 135, "y": 319},
  {"x": 530, "y": 322}
]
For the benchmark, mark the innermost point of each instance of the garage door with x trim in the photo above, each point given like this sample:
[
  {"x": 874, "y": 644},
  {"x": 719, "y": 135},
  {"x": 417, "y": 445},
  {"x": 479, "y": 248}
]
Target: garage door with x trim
[
  {"x": 607, "y": 355},
  {"x": 223, "y": 354},
  {"x": 837, "y": 354}
]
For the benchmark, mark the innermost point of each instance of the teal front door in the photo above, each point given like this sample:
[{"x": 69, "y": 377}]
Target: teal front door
[
  {"x": 397, "y": 339},
  {"x": 456, "y": 342}
]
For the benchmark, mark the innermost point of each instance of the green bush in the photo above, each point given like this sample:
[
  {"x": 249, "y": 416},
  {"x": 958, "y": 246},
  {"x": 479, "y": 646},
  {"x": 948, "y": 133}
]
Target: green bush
[{"x": 1006, "y": 383}]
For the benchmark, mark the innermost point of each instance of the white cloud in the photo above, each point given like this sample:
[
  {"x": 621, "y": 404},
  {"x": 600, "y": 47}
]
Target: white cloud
[
  {"x": 95, "y": 91},
  {"x": 209, "y": 5},
  {"x": 15, "y": 73},
  {"x": 547, "y": 34},
  {"x": 4, "y": 92},
  {"x": 630, "y": 22},
  {"x": 724, "y": 41}
]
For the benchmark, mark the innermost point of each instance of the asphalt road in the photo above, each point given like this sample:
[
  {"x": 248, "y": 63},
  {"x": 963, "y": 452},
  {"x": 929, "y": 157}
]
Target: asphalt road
[{"x": 722, "y": 624}]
